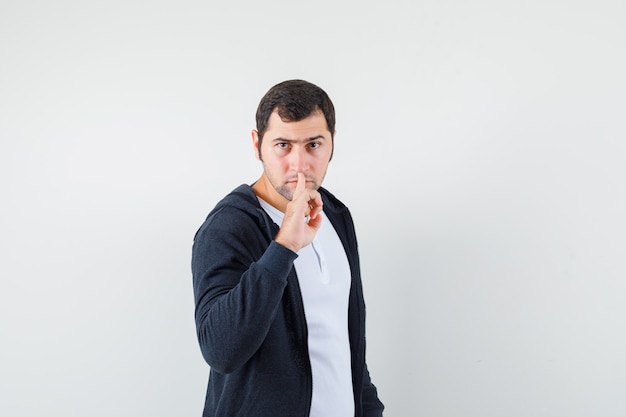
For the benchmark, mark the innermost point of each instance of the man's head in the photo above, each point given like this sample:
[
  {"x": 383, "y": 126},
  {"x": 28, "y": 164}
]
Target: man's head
[
  {"x": 296, "y": 126},
  {"x": 294, "y": 100}
]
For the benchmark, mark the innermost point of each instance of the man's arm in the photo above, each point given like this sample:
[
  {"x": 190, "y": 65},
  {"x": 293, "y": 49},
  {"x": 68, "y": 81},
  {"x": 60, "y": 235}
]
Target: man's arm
[
  {"x": 239, "y": 280},
  {"x": 238, "y": 284}
]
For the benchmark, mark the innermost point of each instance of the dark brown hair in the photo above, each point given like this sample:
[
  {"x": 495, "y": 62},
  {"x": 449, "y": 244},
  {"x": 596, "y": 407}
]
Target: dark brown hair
[{"x": 294, "y": 100}]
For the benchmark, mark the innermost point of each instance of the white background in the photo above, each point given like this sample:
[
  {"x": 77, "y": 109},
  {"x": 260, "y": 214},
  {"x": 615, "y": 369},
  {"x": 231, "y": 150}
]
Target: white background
[{"x": 481, "y": 147}]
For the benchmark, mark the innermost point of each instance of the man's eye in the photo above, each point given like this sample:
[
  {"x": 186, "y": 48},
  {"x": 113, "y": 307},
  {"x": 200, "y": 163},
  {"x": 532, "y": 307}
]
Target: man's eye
[
  {"x": 314, "y": 145},
  {"x": 282, "y": 145}
]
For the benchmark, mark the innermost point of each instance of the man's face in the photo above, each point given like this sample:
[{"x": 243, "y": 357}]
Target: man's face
[{"x": 288, "y": 148}]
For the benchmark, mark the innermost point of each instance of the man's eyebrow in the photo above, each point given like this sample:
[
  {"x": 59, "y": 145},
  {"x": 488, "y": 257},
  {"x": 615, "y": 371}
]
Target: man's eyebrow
[{"x": 312, "y": 138}]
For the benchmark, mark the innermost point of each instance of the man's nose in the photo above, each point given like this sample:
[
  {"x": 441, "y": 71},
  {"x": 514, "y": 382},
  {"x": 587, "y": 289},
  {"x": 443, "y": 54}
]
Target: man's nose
[{"x": 298, "y": 159}]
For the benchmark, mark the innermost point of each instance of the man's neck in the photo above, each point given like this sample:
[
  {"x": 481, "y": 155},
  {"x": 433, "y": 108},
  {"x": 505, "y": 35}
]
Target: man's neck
[{"x": 264, "y": 190}]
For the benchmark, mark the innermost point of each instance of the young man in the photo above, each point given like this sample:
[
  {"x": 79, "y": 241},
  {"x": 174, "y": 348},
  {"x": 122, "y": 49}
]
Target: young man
[{"x": 279, "y": 304}]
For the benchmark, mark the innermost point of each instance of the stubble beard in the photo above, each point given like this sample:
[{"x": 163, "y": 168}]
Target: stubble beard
[{"x": 285, "y": 189}]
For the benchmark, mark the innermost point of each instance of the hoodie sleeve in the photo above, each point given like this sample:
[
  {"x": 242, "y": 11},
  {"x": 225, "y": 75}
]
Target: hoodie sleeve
[{"x": 239, "y": 276}]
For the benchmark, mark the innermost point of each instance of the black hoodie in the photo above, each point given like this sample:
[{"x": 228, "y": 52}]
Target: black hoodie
[{"x": 250, "y": 316}]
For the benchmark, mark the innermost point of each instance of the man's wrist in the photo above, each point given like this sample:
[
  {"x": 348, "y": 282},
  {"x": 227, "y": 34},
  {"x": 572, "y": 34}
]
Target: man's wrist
[{"x": 286, "y": 244}]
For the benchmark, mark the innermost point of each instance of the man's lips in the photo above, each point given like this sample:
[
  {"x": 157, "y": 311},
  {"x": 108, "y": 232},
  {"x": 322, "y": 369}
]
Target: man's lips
[{"x": 295, "y": 181}]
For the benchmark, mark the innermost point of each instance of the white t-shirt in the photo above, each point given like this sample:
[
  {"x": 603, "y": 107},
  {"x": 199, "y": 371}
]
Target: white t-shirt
[{"x": 324, "y": 277}]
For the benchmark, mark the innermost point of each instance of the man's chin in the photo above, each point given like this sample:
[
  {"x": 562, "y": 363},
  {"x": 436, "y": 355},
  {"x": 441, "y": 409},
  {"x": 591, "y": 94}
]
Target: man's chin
[{"x": 287, "y": 193}]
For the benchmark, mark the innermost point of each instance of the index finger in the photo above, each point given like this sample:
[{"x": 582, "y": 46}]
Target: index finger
[{"x": 300, "y": 185}]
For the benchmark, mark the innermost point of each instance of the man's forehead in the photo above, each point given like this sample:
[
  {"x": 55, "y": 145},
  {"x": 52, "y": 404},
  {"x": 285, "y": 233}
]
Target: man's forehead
[{"x": 313, "y": 125}]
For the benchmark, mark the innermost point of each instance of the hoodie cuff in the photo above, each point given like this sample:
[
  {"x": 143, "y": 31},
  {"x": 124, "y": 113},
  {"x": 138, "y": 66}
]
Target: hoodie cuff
[{"x": 277, "y": 260}]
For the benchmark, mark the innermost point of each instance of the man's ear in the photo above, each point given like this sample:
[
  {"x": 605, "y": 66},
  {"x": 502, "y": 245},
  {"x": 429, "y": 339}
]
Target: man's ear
[{"x": 255, "y": 144}]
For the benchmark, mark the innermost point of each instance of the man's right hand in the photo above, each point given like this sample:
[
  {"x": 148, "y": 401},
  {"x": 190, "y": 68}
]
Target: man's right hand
[{"x": 295, "y": 232}]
